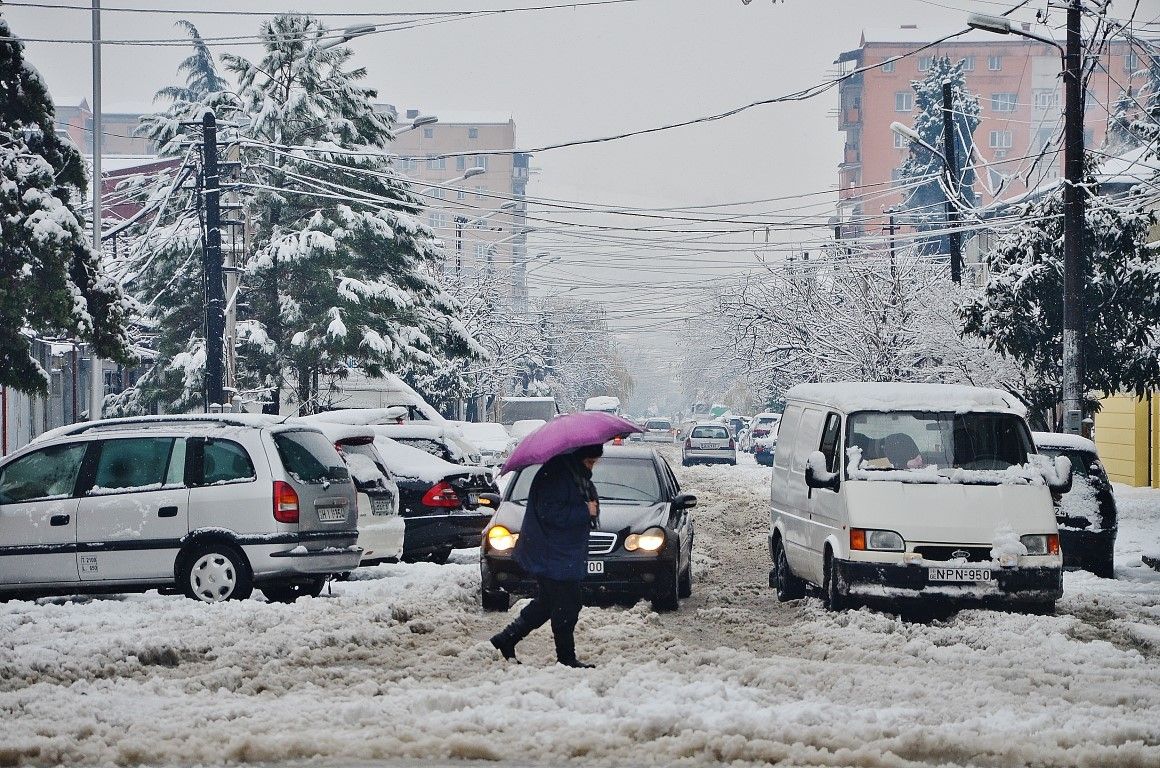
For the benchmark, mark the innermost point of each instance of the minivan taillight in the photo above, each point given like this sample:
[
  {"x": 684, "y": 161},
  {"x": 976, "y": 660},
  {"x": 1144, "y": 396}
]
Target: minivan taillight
[
  {"x": 285, "y": 502},
  {"x": 732, "y": 445},
  {"x": 441, "y": 495},
  {"x": 688, "y": 443}
]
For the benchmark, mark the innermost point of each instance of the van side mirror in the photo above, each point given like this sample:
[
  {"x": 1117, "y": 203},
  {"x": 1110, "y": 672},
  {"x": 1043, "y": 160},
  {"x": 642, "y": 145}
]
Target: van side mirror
[
  {"x": 684, "y": 501},
  {"x": 817, "y": 476}
]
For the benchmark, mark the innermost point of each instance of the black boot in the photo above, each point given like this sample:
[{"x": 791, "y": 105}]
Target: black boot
[
  {"x": 577, "y": 664},
  {"x": 505, "y": 641}
]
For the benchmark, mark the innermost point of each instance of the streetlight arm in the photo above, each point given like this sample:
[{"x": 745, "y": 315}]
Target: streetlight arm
[
  {"x": 910, "y": 134},
  {"x": 1001, "y": 25}
]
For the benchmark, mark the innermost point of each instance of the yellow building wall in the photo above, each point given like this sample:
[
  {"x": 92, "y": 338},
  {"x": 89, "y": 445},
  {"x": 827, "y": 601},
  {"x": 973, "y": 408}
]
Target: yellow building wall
[{"x": 1127, "y": 434}]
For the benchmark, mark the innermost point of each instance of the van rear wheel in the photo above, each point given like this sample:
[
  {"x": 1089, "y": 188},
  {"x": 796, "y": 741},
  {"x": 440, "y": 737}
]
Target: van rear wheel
[{"x": 788, "y": 586}]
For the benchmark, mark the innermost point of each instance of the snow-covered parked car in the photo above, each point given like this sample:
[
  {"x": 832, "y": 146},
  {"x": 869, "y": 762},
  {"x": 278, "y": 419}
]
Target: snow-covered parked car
[
  {"x": 525, "y": 427},
  {"x": 764, "y": 450},
  {"x": 445, "y": 442},
  {"x": 380, "y": 528},
  {"x": 762, "y": 425},
  {"x": 492, "y": 440},
  {"x": 643, "y": 545},
  {"x": 895, "y": 491},
  {"x": 209, "y": 505},
  {"x": 1087, "y": 513}
]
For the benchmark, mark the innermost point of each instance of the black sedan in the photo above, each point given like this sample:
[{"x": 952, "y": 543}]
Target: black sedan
[
  {"x": 439, "y": 501},
  {"x": 642, "y": 546},
  {"x": 1086, "y": 514}
]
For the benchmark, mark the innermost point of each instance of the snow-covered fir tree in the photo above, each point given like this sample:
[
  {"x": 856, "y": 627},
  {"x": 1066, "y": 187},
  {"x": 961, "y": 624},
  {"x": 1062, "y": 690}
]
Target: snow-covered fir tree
[
  {"x": 921, "y": 173},
  {"x": 51, "y": 280},
  {"x": 1020, "y": 312},
  {"x": 341, "y": 272}
]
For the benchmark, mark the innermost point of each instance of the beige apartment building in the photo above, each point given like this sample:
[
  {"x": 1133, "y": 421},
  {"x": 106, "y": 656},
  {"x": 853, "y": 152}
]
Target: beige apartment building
[{"x": 473, "y": 182}]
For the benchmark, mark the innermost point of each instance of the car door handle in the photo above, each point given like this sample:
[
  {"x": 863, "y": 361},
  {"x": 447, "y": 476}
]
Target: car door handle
[
  {"x": 167, "y": 512},
  {"x": 59, "y": 519}
]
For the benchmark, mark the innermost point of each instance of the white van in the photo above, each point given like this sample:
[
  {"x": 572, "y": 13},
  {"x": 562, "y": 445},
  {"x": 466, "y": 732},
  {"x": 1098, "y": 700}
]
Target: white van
[{"x": 912, "y": 490}]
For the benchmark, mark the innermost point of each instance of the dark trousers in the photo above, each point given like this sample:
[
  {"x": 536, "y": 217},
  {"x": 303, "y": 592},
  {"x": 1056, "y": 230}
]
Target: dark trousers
[{"x": 558, "y": 602}]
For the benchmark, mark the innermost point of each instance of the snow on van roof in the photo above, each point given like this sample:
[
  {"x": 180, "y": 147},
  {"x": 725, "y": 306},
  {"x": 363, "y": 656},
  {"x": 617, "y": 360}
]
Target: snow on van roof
[
  {"x": 898, "y": 396},
  {"x": 1063, "y": 440}
]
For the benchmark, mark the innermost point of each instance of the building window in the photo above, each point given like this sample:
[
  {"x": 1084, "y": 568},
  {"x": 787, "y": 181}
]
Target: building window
[
  {"x": 1000, "y": 154},
  {"x": 480, "y": 251},
  {"x": 481, "y": 161},
  {"x": 1000, "y": 139},
  {"x": 1088, "y": 137},
  {"x": 924, "y": 63},
  {"x": 968, "y": 63},
  {"x": 461, "y": 163},
  {"x": 460, "y": 194},
  {"x": 437, "y": 193},
  {"x": 473, "y": 133},
  {"x": 901, "y": 142},
  {"x": 438, "y": 220},
  {"x": 887, "y": 66},
  {"x": 1131, "y": 62},
  {"x": 436, "y": 163},
  {"x": 904, "y": 101},
  {"x": 994, "y": 63},
  {"x": 1003, "y": 102},
  {"x": 1047, "y": 99},
  {"x": 428, "y": 133}
]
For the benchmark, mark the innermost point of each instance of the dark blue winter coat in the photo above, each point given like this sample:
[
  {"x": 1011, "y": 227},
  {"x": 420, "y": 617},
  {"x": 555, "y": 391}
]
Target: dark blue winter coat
[{"x": 553, "y": 542}]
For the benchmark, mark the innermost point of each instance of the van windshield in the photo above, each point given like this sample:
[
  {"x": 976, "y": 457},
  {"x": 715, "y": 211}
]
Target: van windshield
[{"x": 925, "y": 439}]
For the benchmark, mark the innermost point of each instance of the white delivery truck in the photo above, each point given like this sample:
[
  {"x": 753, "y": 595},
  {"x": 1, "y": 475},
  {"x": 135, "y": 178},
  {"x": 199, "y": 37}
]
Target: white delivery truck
[{"x": 894, "y": 491}]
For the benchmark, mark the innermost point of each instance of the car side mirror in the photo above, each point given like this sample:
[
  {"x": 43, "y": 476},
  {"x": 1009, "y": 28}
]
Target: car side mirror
[
  {"x": 489, "y": 500},
  {"x": 684, "y": 501},
  {"x": 817, "y": 476}
]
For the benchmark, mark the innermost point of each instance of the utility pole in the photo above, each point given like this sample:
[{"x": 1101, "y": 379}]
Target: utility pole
[
  {"x": 1073, "y": 225},
  {"x": 459, "y": 222},
  {"x": 215, "y": 301},
  {"x": 952, "y": 192},
  {"x": 96, "y": 368}
]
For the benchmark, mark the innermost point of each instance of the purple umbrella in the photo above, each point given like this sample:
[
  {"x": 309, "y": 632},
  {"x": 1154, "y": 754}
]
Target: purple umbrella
[{"x": 566, "y": 433}]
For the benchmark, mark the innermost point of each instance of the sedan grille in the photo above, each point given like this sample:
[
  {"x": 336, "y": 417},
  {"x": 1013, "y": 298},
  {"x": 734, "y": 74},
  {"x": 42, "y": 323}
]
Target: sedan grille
[
  {"x": 600, "y": 543},
  {"x": 942, "y": 553}
]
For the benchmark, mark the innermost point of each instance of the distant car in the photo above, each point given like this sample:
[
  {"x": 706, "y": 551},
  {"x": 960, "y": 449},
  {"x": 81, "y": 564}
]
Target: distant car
[
  {"x": 763, "y": 425},
  {"x": 764, "y": 450},
  {"x": 658, "y": 431},
  {"x": 492, "y": 440},
  {"x": 1086, "y": 514},
  {"x": 525, "y": 427},
  {"x": 380, "y": 528},
  {"x": 643, "y": 545},
  {"x": 709, "y": 443}
]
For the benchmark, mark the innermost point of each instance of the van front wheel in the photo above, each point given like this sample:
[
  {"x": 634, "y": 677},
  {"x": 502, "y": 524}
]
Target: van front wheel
[
  {"x": 789, "y": 587},
  {"x": 831, "y": 586}
]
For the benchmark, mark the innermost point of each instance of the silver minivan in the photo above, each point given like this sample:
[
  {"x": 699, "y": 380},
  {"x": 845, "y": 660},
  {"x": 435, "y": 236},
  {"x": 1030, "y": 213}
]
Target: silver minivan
[{"x": 208, "y": 505}]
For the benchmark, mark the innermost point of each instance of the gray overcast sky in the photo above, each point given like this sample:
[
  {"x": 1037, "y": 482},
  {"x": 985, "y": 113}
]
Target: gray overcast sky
[{"x": 577, "y": 73}]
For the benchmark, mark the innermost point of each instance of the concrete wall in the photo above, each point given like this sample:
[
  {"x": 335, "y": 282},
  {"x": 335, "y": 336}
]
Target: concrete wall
[{"x": 1127, "y": 434}]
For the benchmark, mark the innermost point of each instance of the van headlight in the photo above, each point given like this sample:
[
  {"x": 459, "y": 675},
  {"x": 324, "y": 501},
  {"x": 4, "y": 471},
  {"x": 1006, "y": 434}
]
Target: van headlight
[
  {"x": 865, "y": 539},
  {"x": 650, "y": 541},
  {"x": 501, "y": 539},
  {"x": 1040, "y": 543}
]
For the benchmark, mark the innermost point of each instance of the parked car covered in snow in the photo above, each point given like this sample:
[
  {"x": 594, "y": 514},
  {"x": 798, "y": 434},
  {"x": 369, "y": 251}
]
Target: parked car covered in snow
[
  {"x": 643, "y": 545},
  {"x": 380, "y": 529},
  {"x": 898, "y": 491},
  {"x": 494, "y": 442},
  {"x": 764, "y": 450},
  {"x": 762, "y": 425},
  {"x": 208, "y": 505},
  {"x": 1087, "y": 513}
]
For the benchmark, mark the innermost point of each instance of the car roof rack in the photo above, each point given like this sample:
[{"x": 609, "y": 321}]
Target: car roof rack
[{"x": 131, "y": 422}]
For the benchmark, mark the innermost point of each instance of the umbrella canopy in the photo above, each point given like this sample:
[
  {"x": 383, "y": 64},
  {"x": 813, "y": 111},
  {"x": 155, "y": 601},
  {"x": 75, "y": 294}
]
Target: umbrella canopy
[{"x": 567, "y": 433}]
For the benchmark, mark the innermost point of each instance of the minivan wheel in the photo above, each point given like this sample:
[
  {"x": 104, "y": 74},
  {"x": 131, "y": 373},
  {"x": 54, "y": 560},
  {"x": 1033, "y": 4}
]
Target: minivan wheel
[
  {"x": 789, "y": 587},
  {"x": 215, "y": 572},
  {"x": 831, "y": 595},
  {"x": 288, "y": 592}
]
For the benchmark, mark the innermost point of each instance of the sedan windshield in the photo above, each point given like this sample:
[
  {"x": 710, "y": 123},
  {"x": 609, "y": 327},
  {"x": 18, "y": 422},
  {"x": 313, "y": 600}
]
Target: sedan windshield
[
  {"x": 915, "y": 440},
  {"x": 619, "y": 479}
]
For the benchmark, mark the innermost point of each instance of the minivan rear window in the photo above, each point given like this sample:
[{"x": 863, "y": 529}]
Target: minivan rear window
[
  {"x": 718, "y": 433},
  {"x": 309, "y": 457}
]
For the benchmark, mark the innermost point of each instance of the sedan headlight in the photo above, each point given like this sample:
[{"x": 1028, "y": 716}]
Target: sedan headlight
[
  {"x": 501, "y": 539},
  {"x": 874, "y": 540},
  {"x": 650, "y": 541},
  {"x": 1040, "y": 543}
]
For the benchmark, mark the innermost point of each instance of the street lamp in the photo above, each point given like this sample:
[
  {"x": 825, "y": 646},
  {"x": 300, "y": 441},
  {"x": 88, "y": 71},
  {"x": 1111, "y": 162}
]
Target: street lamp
[
  {"x": 348, "y": 34},
  {"x": 419, "y": 122},
  {"x": 954, "y": 237},
  {"x": 1073, "y": 203}
]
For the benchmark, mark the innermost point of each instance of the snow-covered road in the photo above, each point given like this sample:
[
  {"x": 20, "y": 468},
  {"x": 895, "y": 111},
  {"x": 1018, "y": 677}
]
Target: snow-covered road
[{"x": 395, "y": 667}]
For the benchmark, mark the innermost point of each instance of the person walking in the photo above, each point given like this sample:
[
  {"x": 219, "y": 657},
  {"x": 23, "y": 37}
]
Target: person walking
[{"x": 552, "y": 547}]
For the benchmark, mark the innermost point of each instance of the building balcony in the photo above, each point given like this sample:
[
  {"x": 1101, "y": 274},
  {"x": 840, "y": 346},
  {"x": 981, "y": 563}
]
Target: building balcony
[
  {"x": 852, "y": 156},
  {"x": 848, "y": 117}
]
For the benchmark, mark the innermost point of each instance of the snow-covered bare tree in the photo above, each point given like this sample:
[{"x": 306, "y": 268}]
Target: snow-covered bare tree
[
  {"x": 51, "y": 280},
  {"x": 1020, "y": 314},
  {"x": 342, "y": 273}
]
